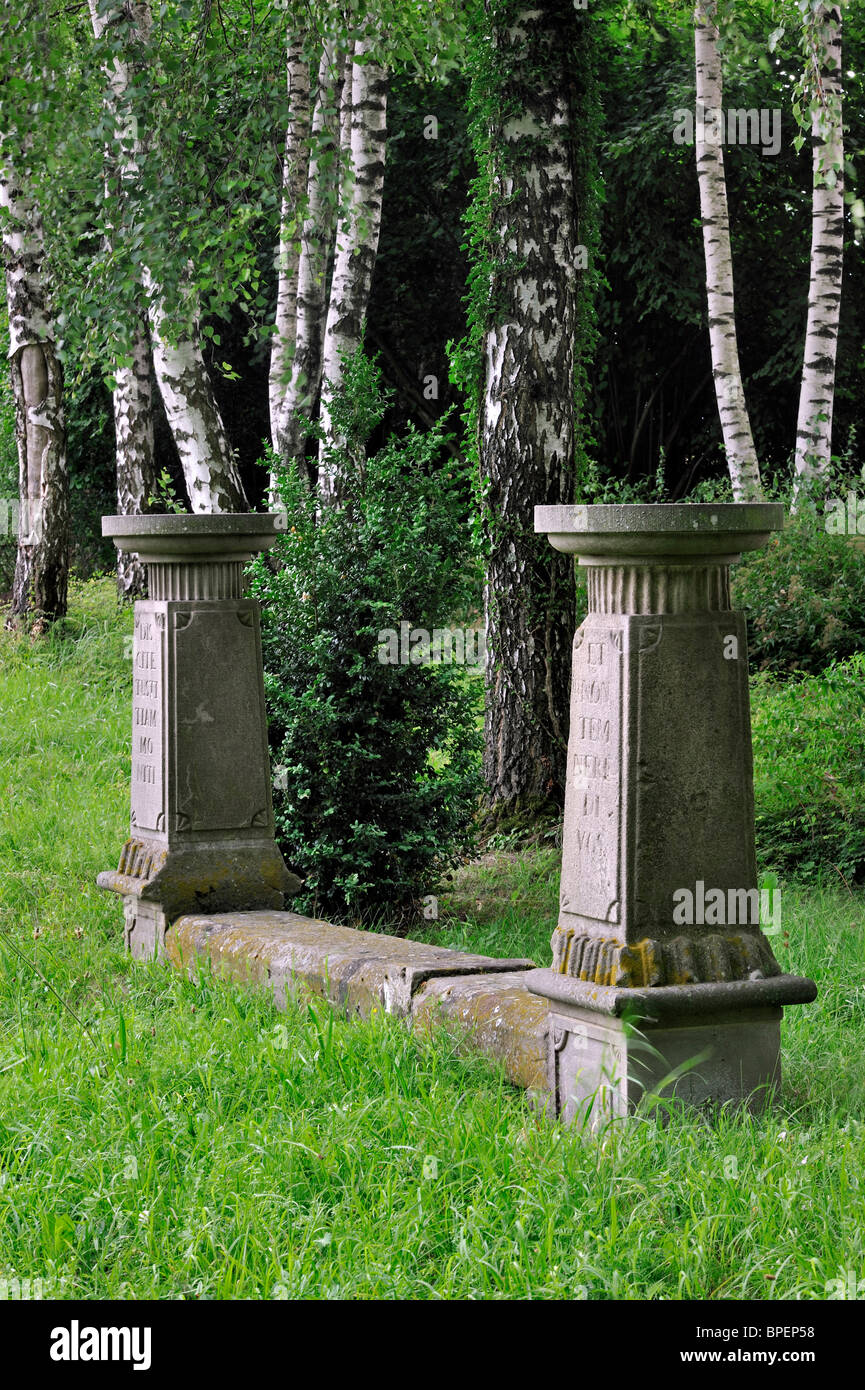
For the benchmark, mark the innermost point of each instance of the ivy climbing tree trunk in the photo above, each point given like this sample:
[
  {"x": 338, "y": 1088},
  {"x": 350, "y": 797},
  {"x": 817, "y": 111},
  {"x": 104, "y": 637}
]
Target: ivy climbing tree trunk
[
  {"x": 358, "y": 229},
  {"x": 42, "y": 565},
  {"x": 209, "y": 467},
  {"x": 817, "y": 394},
  {"x": 531, "y": 69},
  {"x": 735, "y": 425},
  {"x": 316, "y": 242}
]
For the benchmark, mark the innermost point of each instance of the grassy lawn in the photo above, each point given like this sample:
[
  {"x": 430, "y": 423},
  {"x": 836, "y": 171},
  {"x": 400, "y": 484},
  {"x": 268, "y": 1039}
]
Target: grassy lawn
[{"x": 164, "y": 1138}]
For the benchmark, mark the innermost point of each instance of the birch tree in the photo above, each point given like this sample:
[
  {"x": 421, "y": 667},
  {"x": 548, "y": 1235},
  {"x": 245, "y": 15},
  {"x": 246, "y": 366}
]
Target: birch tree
[
  {"x": 209, "y": 468},
  {"x": 295, "y": 173},
  {"x": 358, "y": 228},
  {"x": 529, "y": 76},
  {"x": 310, "y": 307},
  {"x": 325, "y": 280},
  {"x": 132, "y": 394},
  {"x": 709, "y": 134},
  {"x": 132, "y": 400},
  {"x": 817, "y": 394},
  {"x": 42, "y": 564}
]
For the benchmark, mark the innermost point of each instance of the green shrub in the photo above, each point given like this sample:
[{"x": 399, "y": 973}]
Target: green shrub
[
  {"x": 809, "y": 772},
  {"x": 804, "y": 598},
  {"x": 380, "y": 762}
]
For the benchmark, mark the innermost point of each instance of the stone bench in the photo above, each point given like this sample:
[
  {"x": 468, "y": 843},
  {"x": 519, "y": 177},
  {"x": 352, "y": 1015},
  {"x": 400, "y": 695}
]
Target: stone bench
[{"x": 659, "y": 804}]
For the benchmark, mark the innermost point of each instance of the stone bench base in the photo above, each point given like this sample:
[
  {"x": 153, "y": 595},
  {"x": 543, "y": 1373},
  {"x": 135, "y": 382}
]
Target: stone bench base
[
  {"x": 700, "y": 1043},
  {"x": 564, "y": 1041},
  {"x": 359, "y": 971}
]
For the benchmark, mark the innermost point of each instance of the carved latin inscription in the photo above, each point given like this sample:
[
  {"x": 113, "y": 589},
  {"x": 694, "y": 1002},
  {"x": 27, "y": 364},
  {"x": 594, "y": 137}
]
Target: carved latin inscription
[
  {"x": 147, "y": 722},
  {"x": 590, "y": 870}
]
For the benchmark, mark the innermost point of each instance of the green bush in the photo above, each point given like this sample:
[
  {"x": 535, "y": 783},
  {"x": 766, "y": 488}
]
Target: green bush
[
  {"x": 809, "y": 772},
  {"x": 380, "y": 762},
  {"x": 804, "y": 598}
]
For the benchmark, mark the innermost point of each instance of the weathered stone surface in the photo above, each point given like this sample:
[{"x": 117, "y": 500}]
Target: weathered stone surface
[
  {"x": 201, "y": 817},
  {"x": 659, "y": 797},
  {"x": 355, "y": 970},
  {"x": 659, "y": 808},
  {"x": 665, "y": 1003},
  {"x": 668, "y": 529},
  {"x": 201, "y": 877},
  {"x": 501, "y": 1017},
  {"x": 660, "y": 783},
  {"x": 600, "y": 1067},
  {"x": 607, "y": 1047}
]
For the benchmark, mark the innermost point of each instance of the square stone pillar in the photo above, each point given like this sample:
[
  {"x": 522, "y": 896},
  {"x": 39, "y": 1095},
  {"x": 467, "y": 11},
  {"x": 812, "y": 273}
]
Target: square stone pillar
[
  {"x": 201, "y": 823},
  {"x": 659, "y": 924}
]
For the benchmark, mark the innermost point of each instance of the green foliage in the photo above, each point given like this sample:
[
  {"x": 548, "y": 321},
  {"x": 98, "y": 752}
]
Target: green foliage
[
  {"x": 809, "y": 777},
  {"x": 164, "y": 498},
  {"x": 92, "y": 473},
  {"x": 804, "y": 597},
  {"x": 380, "y": 760}
]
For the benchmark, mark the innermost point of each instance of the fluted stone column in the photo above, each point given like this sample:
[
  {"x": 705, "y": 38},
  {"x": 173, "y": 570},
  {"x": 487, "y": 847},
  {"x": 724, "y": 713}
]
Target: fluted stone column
[
  {"x": 659, "y": 910},
  {"x": 201, "y": 823}
]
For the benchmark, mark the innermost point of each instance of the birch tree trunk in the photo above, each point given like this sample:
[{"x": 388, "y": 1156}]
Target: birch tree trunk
[
  {"x": 295, "y": 173},
  {"x": 357, "y": 233},
  {"x": 526, "y": 424},
  {"x": 817, "y": 394},
  {"x": 316, "y": 243},
  {"x": 209, "y": 467},
  {"x": 132, "y": 397},
  {"x": 135, "y": 452},
  {"x": 735, "y": 426},
  {"x": 42, "y": 563}
]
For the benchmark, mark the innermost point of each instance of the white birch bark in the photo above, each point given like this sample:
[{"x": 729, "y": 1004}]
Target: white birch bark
[
  {"x": 42, "y": 562},
  {"x": 209, "y": 467},
  {"x": 357, "y": 233},
  {"x": 817, "y": 393},
  {"x": 135, "y": 451},
  {"x": 735, "y": 425},
  {"x": 295, "y": 172},
  {"x": 132, "y": 397},
  {"x": 316, "y": 244}
]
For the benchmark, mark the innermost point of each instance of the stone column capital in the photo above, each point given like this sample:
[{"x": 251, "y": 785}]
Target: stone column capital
[
  {"x": 200, "y": 556},
  {"x": 651, "y": 533}
]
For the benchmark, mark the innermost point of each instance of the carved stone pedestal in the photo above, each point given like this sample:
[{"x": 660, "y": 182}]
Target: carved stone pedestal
[
  {"x": 201, "y": 823},
  {"x": 659, "y": 900}
]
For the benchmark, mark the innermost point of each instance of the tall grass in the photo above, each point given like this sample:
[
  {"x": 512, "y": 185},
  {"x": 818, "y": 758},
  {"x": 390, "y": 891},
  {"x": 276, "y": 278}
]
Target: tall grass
[{"x": 175, "y": 1139}]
